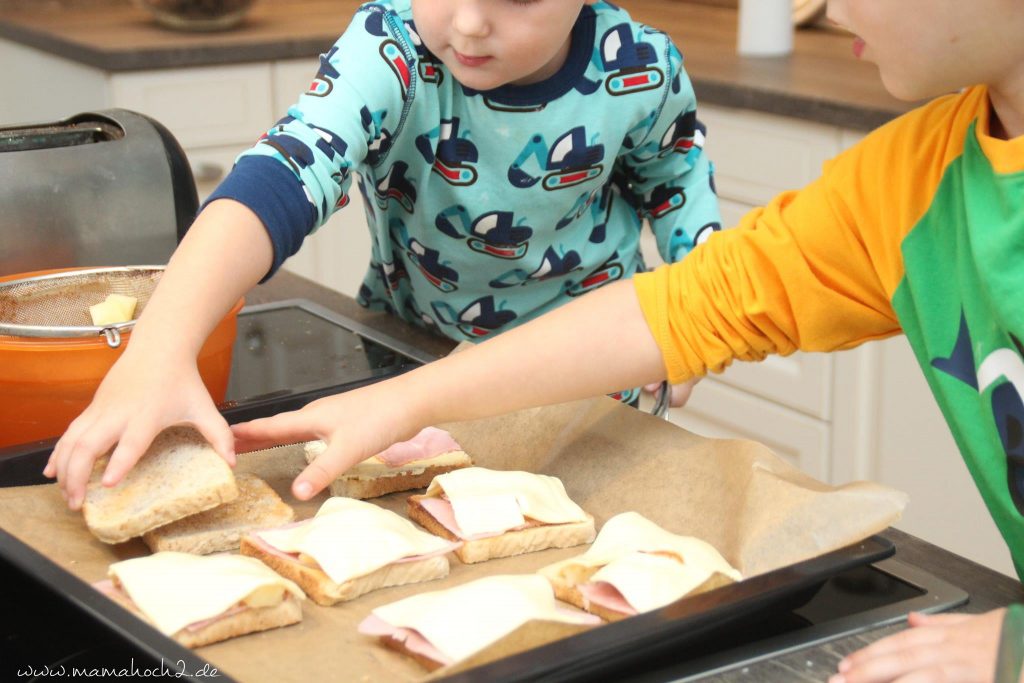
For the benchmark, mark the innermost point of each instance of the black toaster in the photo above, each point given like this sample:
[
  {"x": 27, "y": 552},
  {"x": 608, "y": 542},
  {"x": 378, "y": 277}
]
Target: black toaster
[{"x": 104, "y": 188}]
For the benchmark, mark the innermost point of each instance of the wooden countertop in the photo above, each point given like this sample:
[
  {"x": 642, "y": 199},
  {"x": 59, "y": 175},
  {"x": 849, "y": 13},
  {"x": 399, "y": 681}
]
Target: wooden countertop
[
  {"x": 988, "y": 589},
  {"x": 821, "y": 81}
]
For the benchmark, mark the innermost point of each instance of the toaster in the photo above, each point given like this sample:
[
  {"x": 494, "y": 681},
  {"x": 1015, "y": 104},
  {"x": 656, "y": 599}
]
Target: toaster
[{"x": 104, "y": 188}]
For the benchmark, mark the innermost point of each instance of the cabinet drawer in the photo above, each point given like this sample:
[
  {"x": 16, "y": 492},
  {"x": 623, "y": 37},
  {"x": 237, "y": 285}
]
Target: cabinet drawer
[
  {"x": 802, "y": 381},
  {"x": 202, "y": 107},
  {"x": 720, "y": 411},
  {"x": 756, "y": 156}
]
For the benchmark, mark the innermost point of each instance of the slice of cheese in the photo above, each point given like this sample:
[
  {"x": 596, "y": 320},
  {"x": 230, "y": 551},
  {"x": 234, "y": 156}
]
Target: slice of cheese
[
  {"x": 481, "y": 499},
  {"x": 487, "y": 514},
  {"x": 649, "y": 581},
  {"x": 463, "y": 620},
  {"x": 350, "y": 538},
  {"x": 623, "y": 549},
  {"x": 177, "y": 589}
]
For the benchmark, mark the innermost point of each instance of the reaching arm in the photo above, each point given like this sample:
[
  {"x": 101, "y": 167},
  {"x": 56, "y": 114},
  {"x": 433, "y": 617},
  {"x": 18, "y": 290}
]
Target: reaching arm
[
  {"x": 156, "y": 383},
  {"x": 587, "y": 348}
]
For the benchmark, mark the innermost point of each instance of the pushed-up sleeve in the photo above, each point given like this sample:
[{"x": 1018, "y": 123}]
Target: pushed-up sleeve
[
  {"x": 814, "y": 270},
  {"x": 300, "y": 171}
]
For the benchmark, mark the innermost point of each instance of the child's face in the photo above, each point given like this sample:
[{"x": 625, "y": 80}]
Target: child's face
[
  {"x": 489, "y": 43},
  {"x": 925, "y": 48}
]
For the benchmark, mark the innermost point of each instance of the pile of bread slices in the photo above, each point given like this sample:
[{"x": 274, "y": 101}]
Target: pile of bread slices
[{"x": 230, "y": 559}]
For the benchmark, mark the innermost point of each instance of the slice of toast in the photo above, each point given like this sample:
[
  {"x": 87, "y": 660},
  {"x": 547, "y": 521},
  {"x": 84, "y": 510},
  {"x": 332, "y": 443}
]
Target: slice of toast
[
  {"x": 287, "y": 612},
  {"x": 372, "y": 478},
  {"x": 400, "y": 647},
  {"x": 566, "y": 589},
  {"x": 249, "y": 620},
  {"x": 324, "y": 591},
  {"x": 179, "y": 475},
  {"x": 516, "y": 542},
  {"x": 257, "y": 507}
]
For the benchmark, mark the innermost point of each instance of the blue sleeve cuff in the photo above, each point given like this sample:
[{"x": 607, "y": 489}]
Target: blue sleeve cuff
[{"x": 272, "y": 192}]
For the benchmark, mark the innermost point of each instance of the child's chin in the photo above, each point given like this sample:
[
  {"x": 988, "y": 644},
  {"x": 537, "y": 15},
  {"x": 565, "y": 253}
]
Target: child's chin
[{"x": 478, "y": 81}]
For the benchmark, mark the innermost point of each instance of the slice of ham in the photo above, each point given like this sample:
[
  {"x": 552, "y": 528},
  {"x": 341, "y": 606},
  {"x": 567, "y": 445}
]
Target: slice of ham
[
  {"x": 440, "y": 509},
  {"x": 429, "y": 443},
  {"x": 604, "y": 594},
  {"x": 373, "y": 625}
]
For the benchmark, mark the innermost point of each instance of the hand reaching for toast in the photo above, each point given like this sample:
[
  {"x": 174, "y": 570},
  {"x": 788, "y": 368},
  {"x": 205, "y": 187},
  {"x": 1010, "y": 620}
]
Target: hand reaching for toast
[
  {"x": 355, "y": 425},
  {"x": 136, "y": 400},
  {"x": 941, "y": 647}
]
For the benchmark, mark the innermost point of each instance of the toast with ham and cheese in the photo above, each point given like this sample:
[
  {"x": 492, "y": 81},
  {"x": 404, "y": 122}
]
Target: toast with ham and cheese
[
  {"x": 350, "y": 548},
  {"x": 444, "y": 627},
  {"x": 404, "y": 466},
  {"x": 636, "y": 566},
  {"x": 178, "y": 476},
  {"x": 496, "y": 513},
  {"x": 198, "y": 600},
  {"x": 218, "y": 529}
]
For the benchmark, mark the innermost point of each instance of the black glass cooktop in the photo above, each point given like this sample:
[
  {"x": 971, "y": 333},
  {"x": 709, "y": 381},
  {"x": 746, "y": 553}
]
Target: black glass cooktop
[{"x": 289, "y": 353}]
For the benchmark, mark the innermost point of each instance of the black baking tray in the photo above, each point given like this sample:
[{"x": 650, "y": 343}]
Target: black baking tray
[
  {"x": 617, "y": 648},
  {"x": 595, "y": 654}
]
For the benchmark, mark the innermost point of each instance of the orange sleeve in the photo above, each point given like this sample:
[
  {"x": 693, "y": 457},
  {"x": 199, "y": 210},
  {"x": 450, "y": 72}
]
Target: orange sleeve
[{"x": 815, "y": 269}]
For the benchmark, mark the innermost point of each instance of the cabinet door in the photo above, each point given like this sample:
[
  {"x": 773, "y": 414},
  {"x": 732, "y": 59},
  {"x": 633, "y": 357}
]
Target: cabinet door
[
  {"x": 202, "y": 107},
  {"x": 757, "y": 155},
  {"x": 717, "y": 410}
]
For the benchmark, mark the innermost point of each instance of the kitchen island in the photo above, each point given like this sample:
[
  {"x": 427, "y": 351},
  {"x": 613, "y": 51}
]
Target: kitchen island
[{"x": 988, "y": 589}]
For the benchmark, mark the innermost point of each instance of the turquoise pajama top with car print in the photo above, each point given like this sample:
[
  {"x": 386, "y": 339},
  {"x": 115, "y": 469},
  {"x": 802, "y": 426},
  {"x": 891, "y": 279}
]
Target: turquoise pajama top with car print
[{"x": 488, "y": 208}]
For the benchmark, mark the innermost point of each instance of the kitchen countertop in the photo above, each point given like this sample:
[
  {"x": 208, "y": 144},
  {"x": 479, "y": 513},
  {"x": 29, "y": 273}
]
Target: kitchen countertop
[
  {"x": 821, "y": 81},
  {"x": 988, "y": 589}
]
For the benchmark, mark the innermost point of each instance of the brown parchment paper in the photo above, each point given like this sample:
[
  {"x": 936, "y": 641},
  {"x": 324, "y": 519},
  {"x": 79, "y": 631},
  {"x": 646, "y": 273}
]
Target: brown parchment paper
[{"x": 759, "y": 511}]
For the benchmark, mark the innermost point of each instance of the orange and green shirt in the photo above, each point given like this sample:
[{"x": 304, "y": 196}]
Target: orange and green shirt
[{"x": 918, "y": 229}]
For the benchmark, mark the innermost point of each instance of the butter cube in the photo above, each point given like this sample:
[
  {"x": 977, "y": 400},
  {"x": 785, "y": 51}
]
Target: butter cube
[{"x": 116, "y": 308}]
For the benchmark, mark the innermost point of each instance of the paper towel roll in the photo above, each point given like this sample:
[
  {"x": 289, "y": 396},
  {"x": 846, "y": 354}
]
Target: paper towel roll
[{"x": 765, "y": 28}]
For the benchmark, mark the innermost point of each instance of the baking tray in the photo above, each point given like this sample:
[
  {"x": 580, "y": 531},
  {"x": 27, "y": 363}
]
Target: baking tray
[
  {"x": 620, "y": 647},
  {"x": 597, "y": 653}
]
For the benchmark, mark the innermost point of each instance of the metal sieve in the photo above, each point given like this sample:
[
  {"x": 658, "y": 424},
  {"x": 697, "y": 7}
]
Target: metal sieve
[{"x": 57, "y": 304}]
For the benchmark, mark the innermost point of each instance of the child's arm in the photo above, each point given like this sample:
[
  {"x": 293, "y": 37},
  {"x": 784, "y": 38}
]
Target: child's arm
[
  {"x": 283, "y": 188},
  {"x": 156, "y": 383},
  {"x": 587, "y": 348}
]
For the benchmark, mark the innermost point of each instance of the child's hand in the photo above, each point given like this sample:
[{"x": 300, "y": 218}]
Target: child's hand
[
  {"x": 355, "y": 425},
  {"x": 941, "y": 647},
  {"x": 136, "y": 400},
  {"x": 680, "y": 392}
]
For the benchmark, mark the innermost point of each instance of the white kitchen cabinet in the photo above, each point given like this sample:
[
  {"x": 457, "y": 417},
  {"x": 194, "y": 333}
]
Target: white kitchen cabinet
[{"x": 866, "y": 413}]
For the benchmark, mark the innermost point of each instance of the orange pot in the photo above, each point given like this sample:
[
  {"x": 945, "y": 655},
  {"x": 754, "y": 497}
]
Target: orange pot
[{"x": 45, "y": 383}]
